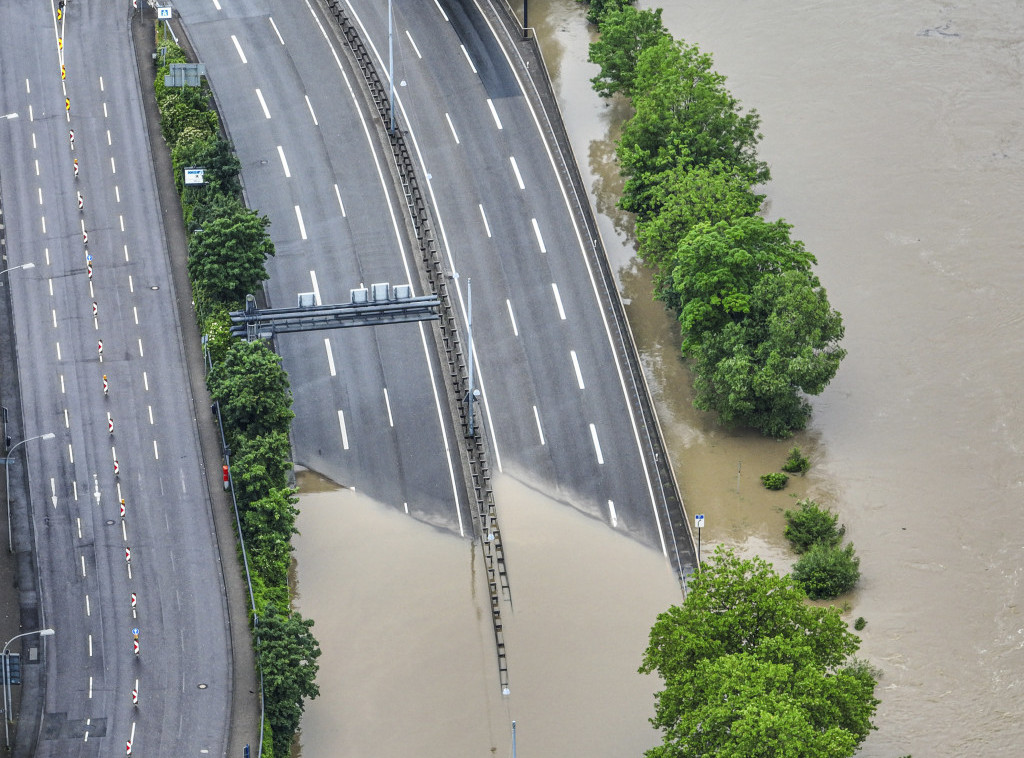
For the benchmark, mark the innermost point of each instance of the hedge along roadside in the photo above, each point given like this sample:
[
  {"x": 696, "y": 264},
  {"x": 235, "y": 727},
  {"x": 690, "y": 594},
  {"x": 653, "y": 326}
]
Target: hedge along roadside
[{"x": 227, "y": 250}]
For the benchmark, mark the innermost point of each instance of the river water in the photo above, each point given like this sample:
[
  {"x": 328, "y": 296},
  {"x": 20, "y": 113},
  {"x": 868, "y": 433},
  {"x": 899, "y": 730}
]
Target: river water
[{"x": 894, "y": 134}]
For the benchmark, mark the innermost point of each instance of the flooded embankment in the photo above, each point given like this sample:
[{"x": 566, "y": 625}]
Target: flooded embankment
[{"x": 893, "y": 131}]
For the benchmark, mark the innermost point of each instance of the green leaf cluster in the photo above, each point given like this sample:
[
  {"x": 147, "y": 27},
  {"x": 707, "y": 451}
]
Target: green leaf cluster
[
  {"x": 597, "y": 8},
  {"x": 796, "y": 462},
  {"x": 227, "y": 251},
  {"x": 774, "y": 481},
  {"x": 288, "y": 654},
  {"x": 227, "y": 255},
  {"x": 750, "y": 669},
  {"x": 756, "y": 322},
  {"x": 827, "y": 571},
  {"x": 809, "y": 524}
]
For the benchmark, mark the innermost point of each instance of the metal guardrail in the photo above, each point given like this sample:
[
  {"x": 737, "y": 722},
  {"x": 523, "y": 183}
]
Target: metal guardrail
[{"x": 452, "y": 348}]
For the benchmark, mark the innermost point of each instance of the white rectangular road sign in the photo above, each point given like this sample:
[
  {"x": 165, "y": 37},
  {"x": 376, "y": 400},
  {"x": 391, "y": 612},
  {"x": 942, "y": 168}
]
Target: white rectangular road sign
[
  {"x": 194, "y": 175},
  {"x": 698, "y": 521},
  {"x": 164, "y": 11}
]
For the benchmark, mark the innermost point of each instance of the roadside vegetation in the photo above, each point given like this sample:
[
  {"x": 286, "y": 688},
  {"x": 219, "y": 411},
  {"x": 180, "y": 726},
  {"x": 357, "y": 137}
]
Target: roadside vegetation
[
  {"x": 227, "y": 250},
  {"x": 750, "y": 668},
  {"x": 757, "y": 327}
]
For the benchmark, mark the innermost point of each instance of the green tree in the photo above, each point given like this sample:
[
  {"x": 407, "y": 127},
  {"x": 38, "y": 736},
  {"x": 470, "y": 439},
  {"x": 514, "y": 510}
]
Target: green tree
[
  {"x": 625, "y": 34},
  {"x": 227, "y": 260},
  {"x": 809, "y": 524},
  {"x": 268, "y": 525},
  {"x": 684, "y": 115},
  {"x": 211, "y": 152},
  {"x": 252, "y": 389},
  {"x": 261, "y": 464},
  {"x": 827, "y": 571},
  {"x": 750, "y": 669},
  {"x": 686, "y": 198},
  {"x": 715, "y": 270},
  {"x": 598, "y": 8},
  {"x": 183, "y": 108},
  {"x": 756, "y": 370},
  {"x": 288, "y": 655}
]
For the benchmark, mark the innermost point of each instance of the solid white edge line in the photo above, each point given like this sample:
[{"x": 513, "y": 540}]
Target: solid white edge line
[
  {"x": 597, "y": 444},
  {"x": 462, "y": 304},
  {"x": 576, "y": 366},
  {"x": 558, "y": 301},
  {"x": 238, "y": 47}
]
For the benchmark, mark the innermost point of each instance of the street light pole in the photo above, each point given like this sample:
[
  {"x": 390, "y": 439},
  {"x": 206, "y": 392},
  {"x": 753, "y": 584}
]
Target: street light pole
[
  {"x": 7, "y": 680},
  {"x": 30, "y": 264},
  {"x": 7, "y": 480}
]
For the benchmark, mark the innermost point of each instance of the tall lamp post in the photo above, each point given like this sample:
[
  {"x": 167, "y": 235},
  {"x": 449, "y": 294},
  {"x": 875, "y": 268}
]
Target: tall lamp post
[
  {"x": 7, "y": 479},
  {"x": 7, "y": 681},
  {"x": 30, "y": 264}
]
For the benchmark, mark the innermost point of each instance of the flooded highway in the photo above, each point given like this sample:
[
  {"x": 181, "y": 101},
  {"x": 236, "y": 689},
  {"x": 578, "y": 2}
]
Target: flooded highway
[{"x": 895, "y": 141}]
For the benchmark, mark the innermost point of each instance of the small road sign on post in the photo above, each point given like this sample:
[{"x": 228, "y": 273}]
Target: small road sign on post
[{"x": 698, "y": 522}]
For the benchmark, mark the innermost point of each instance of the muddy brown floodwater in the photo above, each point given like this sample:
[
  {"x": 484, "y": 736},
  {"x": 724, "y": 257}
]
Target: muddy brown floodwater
[
  {"x": 402, "y": 616},
  {"x": 894, "y": 134}
]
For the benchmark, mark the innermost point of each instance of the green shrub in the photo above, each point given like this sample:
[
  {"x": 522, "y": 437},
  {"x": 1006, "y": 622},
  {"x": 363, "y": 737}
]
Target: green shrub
[
  {"x": 811, "y": 524},
  {"x": 774, "y": 481},
  {"x": 826, "y": 571},
  {"x": 796, "y": 463},
  {"x": 860, "y": 623}
]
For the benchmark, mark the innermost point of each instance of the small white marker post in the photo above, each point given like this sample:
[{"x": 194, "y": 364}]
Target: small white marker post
[{"x": 698, "y": 522}]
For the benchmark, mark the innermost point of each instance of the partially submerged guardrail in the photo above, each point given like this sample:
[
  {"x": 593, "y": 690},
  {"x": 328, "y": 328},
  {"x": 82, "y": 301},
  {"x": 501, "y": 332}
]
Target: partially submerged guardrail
[{"x": 452, "y": 348}]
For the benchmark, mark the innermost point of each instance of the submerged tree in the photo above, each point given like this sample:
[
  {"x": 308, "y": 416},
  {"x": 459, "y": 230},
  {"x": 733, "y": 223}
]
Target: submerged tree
[{"x": 750, "y": 669}]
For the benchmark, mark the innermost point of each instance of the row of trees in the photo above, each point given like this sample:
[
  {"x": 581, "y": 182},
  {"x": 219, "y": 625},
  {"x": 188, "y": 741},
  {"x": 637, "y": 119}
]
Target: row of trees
[
  {"x": 751, "y": 669},
  {"x": 227, "y": 250},
  {"x": 756, "y": 323}
]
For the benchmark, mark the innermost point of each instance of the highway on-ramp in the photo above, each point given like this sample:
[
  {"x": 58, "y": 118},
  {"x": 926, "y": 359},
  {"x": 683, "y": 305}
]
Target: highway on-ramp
[{"x": 119, "y": 512}]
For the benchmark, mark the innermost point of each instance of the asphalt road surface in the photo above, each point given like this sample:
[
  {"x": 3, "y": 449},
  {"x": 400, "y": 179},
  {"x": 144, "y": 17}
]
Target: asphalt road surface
[
  {"x": 371, "y": 411},
  {"x": 554, "y": 397},
  {"x": 101, "y": 276}
]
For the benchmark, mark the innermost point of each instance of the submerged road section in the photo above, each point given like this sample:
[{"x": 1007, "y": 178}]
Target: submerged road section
[{"x": 116, "y": 522}]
